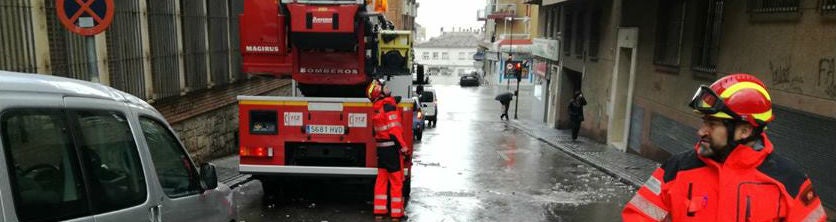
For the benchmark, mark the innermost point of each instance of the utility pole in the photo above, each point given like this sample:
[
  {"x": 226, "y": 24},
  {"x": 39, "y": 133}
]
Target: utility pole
[
  {"x": 517, "y": 92},
  {"x": 517, "y": 72}
]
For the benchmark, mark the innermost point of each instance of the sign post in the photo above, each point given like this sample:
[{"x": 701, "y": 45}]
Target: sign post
[{"x": 87, "y": 18}]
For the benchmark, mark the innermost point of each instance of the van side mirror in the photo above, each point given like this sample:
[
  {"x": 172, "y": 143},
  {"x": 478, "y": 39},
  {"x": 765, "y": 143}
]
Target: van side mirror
[{"x": 209, "y": 176}]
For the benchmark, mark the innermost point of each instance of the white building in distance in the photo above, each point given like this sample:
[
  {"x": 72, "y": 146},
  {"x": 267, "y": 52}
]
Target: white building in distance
[{"x": 450, "y": 53}]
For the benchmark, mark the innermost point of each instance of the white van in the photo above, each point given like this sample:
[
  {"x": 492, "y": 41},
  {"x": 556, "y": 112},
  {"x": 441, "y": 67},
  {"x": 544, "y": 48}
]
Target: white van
[
  {"x": 79, "y": 151},
  {"x": 429, "y": 105}
]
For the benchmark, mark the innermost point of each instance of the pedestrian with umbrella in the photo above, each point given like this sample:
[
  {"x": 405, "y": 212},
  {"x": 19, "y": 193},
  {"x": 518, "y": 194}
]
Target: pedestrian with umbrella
[{"x": 505, "y": 100}]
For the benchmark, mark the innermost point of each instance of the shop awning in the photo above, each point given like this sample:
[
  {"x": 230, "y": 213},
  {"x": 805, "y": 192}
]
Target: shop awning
[
  {"x": 515, "y": 45},
  {"x": 551, "y": 2}
]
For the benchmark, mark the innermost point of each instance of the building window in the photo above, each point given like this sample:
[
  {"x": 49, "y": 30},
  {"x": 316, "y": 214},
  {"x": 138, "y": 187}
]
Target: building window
[
  {"x": 445, "y": 55},
  {"x": 547, "y": 31},
  {"x": 773, "y": 6},
  {"x": 462, "y": 56},
  {"x": 555, "y": 18},
  {"x": 568, "y": 26},
  {"x": 435, "y": 55},
  {"x": 594, "y": 33},
  {"x": 671, "y": 16},
  {"x": 828, "y": 6},
  {"x": 580, "y": 29},
  {"x": 425, "y": 55},
  {"x": 707, "y": 41}
]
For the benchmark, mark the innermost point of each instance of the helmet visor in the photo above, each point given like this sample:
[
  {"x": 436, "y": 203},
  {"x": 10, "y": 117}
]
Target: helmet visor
[{"x": 706, "y": 101}]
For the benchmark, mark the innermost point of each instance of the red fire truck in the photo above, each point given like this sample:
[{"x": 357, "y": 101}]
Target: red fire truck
[{"x": 331, "y": 49}]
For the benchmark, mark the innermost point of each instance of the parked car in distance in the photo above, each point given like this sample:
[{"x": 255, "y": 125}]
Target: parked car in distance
[
  {"x": 471, "y": 79},
  {"x": 417, "y": 120},
  {"x": 82, "y": 151},
  {"x": 429, "y": 106}
]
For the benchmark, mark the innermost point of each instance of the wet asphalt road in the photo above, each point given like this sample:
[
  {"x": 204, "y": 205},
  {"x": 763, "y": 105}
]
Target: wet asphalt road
[{"x": 471, "y": 167}]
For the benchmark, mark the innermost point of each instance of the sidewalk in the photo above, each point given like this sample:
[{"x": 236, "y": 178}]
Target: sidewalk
[
  {"x": 227, "y": 170},
  {"x": 629, "y": 168}
]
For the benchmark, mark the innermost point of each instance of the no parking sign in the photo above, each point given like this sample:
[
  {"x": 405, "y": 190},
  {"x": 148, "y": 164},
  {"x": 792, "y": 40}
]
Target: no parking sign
[{"x": 85, "y": 17}]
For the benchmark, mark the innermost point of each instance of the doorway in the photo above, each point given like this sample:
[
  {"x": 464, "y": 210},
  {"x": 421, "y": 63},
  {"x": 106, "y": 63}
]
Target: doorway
[
  {"x": 621, "y": 95},
  {"x": 570, "y": 81},
  {"x": 554, "y": 73}
]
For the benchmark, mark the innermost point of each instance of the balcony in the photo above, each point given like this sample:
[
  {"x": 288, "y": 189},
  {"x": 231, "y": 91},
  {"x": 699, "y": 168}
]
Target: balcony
[
  {"x": 480, "y": 15},
  {"x": 515, "y": 36},
  {"x": 359, "y": 2},
  {"x": 501, "y": 11}
]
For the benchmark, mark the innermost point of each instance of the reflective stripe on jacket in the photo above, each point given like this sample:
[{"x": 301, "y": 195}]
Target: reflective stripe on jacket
[
  {"x": 752, "y": 185},
  {"x": 387, "y": 121}
]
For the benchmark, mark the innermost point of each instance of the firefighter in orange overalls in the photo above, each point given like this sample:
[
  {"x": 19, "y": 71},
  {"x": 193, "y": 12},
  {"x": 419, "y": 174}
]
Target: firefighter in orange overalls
[
  {"x": 390, "y": 150},
  {"x": 732, "y": 173}
]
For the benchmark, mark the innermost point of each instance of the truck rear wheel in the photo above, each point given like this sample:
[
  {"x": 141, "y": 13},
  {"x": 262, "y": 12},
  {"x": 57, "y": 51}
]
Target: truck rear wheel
[
  {"x": 273, "y": 191},
  {"x": 419, "y": 134}
]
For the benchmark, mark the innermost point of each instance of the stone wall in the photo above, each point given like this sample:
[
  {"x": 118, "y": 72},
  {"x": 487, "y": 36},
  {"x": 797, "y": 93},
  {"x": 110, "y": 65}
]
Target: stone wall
[
  {"x": 207, "y": 122},
  {"x": 211, "y": 134}
]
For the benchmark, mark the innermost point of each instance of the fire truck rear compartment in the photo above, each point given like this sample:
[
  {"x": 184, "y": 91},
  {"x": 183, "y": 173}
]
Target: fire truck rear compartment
[{"x": 325, "y": 154}]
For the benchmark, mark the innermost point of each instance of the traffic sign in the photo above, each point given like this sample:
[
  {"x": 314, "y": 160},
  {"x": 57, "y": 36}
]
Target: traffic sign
[
  {"x": 509, "y": 66},
  {"x": 85, "y": 17}
]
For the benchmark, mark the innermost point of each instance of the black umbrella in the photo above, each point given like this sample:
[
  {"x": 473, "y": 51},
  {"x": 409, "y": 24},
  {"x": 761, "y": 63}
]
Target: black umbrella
[{"x": 504, "y": 97}]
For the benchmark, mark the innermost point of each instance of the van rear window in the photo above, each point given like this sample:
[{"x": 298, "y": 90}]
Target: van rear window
[
  {"x": 427, "y": 97},
  {"x": 263, "y": 122}
]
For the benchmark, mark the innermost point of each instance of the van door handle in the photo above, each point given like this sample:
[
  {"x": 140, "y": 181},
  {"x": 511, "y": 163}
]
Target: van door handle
[{"x": 156, "y": 214}]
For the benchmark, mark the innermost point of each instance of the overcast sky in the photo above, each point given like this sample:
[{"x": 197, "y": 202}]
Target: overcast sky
[{"x": 435, "y": 14}]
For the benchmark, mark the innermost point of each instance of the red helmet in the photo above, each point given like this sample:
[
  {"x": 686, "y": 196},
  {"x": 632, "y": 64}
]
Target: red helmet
[
  {"x": 374, "y": 91},
  {"x": 740, "y": 97}
]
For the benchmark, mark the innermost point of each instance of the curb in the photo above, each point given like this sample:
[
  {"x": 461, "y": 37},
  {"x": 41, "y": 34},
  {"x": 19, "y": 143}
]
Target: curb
[{"x": 237, "y": 180}]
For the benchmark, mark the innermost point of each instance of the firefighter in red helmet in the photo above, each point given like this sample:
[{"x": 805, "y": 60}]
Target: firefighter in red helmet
[
  {"x": 391, "y": 147},
  {"x": 732, "y": 173}
]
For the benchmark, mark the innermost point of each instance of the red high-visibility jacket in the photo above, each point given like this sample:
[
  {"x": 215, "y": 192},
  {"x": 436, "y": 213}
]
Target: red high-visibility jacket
[
  {"x": 387, "y": 121},
  {"x": 751, "y": 185}
]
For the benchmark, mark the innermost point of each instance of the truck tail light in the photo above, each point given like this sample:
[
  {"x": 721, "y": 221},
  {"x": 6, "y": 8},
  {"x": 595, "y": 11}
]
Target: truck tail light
[{"x": 256, "y": 151}]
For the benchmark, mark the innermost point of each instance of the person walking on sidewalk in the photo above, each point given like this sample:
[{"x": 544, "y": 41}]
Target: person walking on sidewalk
[
  {"x": 732, "y": 174},
  {"x": 391, "y": 148},
  {"x": 576, "y": 113},
  {"x": 505, "y": 100}
]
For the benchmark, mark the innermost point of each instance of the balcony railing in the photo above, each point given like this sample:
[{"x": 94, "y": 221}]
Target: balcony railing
[
  {"x": 359, "y": 2},
  {"x": 500, "y": 11},
  {"x": 828, "y": 6},
  {"x": 515, "y": 36}
]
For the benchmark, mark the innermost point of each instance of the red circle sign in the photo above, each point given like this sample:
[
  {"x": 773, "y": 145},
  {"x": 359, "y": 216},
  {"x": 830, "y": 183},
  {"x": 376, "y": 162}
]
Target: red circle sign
[{"x": 70, "y": 11}]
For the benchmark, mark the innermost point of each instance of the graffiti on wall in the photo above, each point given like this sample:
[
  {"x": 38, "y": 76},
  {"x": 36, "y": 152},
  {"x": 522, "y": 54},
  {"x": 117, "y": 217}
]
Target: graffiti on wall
[
  {"x": 827, "y": 76},
  {"x": 782, "y": 78}
]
